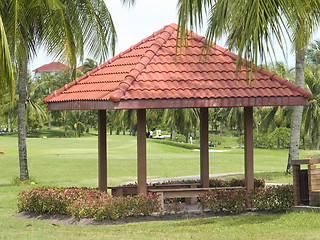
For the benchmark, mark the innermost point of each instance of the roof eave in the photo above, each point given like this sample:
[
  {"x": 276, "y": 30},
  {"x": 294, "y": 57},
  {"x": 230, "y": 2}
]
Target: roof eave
[{"x": 179, "y": 103}]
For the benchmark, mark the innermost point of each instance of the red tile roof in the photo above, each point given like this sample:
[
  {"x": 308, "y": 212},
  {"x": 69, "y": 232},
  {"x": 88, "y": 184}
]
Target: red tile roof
[
  {"x": 51, "y": 67},
  {"x": 150, "y": 75},
  {"x": 79, "y": 68}
]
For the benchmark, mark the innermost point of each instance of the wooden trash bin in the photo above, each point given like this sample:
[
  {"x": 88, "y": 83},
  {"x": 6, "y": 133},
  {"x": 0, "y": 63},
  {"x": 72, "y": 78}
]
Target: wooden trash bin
[{"x": 306, "y": 182}]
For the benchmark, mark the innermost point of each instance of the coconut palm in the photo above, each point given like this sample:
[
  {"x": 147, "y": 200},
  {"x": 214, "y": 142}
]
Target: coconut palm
[
  {"x": 234, "y": 119},
  {"x": 251, "y": 27},
  {"x": 182, "y": 120},
  {"x": 6, "y": 76},
  {"x": 311, "y": 115},
  {"x": 313, "y": 85},
  {"x": 65, "y": 29},
  {"x": 313, "y": 53},
  {"x": 88, "y": 65}
]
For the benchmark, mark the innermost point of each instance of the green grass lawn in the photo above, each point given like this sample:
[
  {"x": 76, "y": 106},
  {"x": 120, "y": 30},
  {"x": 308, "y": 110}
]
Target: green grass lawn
[{"x": 73, "y": 162}]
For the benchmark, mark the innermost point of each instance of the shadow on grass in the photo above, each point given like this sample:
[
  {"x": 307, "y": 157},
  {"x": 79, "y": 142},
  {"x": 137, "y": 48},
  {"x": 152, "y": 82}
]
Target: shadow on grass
[
  {"x": 57, "y": 133},
  {"x": 269, "y": 177},
  {"x": 231, "y": 220}
]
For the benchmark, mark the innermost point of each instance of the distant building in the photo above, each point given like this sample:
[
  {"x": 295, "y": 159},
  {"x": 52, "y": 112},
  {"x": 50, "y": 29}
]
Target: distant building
[
  {"x": 50, "y": 68},
  {"x": 79, "y": 68}
]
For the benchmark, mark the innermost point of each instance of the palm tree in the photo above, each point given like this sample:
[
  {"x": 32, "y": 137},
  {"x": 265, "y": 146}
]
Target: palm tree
[
  {"x": 64, "y": 28},
  {"x": 251, "y": 26},
  {"x": 182, "y": 120},
  {"x": 6, "y": 76},
  {"x": 88, "y": 65},
  {"x": 313, "y": 53},
  {"x": 234, "y": 118},
  {"x": 311, "y": 114},
  {"x": 313, "y": 85}
]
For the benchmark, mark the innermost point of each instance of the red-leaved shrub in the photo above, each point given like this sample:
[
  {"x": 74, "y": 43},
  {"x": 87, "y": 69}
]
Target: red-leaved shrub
[{"x": 85, "y": 202}]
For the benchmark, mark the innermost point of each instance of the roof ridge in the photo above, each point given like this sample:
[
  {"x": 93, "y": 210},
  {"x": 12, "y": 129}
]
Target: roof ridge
[{"x": 162, "y": 36}]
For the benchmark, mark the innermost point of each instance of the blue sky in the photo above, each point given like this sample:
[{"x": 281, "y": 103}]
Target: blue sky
[{"x": 138, "y": 22}]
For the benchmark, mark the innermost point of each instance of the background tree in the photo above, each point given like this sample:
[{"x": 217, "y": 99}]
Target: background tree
[
  {"x": 88, "y": 65},
  {"x": 65, "y": 29},
  {"x": 6, "y": 70},
  {"x": 235, "y": 118}
]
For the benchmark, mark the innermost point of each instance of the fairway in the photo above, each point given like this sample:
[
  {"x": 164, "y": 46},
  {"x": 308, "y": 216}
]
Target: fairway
[{"x": 73, "y": 162}]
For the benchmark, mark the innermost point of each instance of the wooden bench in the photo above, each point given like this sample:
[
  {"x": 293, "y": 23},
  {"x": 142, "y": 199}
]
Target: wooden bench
[
  {"x": 185, "y": 192},
  {"x": 133, "y": 190}
]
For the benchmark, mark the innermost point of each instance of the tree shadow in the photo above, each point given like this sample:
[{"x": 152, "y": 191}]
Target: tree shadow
[{"x": 228, "y": 220}]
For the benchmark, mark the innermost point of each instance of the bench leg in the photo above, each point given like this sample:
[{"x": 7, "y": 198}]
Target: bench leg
[
  {"x": 161, "y": 200},
  {"x": 191, "y": 200},
  {"x": 118, "y": 192}
]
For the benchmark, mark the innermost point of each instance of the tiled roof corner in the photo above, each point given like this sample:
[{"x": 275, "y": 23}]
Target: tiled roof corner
[{"x": 289, "y": 84}]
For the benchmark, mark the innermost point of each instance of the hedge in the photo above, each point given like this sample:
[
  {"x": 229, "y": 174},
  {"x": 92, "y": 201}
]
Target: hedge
[
  {"x": 85, "y": 203},
  {"x": 92, "y": 203},
  {"x": 258, "y": 183},
  {"x": 274, "y": 199}
]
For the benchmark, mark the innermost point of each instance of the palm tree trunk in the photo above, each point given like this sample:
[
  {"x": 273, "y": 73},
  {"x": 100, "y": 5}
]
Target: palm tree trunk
[
  {"x": 22, "y": 130},
  {"x": 310, "y": 131},
  {"x": 239, "y": 132},
  {"x": 297, "y": 112},
  {"x": 221, "y": 127},
  {"x": 10, "y": 123},
  {"x": 171, "y": 134},
  {"x": 49, "y": 121},
  {"x": 318, "y": 140},
  {"x": 239, "y": 136}
]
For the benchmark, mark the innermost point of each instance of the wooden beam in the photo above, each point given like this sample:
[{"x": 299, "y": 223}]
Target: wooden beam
[
  {"x": 204, "y": 148},
  {"x": 306, "y": 161},
  {"x": 102, "y": 150},
  {"x": 141, "y": 151},
  {"x": 248, "y": 148}
]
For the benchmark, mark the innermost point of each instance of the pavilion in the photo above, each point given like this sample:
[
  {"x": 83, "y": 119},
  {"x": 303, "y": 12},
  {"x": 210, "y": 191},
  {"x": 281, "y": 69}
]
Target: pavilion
[{"x": 153, "y": 74}]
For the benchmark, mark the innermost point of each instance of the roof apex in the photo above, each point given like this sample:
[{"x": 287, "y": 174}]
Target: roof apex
[{"x": 160, "y": 39}]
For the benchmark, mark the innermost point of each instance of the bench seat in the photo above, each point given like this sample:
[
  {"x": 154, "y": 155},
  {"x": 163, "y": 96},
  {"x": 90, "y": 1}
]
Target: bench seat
[
  {"x": 192, "y": 193},
  {"x": 133, "y": 190}
]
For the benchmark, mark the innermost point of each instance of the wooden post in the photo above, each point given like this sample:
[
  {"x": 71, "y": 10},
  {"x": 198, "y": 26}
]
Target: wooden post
[
  {"x": 296, "y": 184},
  {"x": 204, "y": 148},
  {"x": 102, "y": 150},
  {"x": 248, "y": 148},
  {"x": 141, "y": 151}
]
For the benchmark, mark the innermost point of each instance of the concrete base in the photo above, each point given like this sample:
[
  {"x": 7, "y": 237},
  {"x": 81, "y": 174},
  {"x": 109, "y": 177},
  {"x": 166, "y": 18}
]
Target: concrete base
[{"x": 303, "y": 208}]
